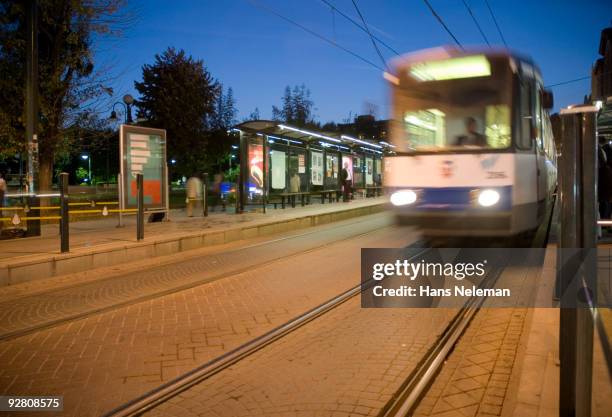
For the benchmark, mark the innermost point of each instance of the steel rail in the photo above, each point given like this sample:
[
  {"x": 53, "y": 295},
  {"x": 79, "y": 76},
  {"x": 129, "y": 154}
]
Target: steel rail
[
  {"x": 150, "y": 400},
  {"x": 97, "y": 310},
  {"x": 414, "y": 387}
]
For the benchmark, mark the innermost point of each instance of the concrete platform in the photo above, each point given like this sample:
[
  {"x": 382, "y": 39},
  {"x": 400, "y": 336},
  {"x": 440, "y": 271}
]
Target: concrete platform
[{"x": 100, "y": 243}]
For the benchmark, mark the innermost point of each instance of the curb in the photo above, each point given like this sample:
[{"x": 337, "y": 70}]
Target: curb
[{"x": 82, "y": 259}]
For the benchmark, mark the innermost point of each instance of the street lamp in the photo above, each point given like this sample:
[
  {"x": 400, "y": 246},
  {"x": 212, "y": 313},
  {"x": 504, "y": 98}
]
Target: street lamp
[
  {"x": 127, "y": 103},
  {"x": 86, "y": 157}
]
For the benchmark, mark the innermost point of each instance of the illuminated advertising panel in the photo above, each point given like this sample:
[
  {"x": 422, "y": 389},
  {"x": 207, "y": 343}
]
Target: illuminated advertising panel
[
  {"x": 369, "y": 171},
  {"x": 256, "y": 176},
  {"x": 278, "y": 166},
  {"x": 316, "y": 168},
  {"x": 143, "y": 151}
]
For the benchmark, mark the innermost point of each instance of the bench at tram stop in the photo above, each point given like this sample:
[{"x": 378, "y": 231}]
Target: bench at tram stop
[
  {"x": 369, "y": 191},
  {"x": 290, "y": 198}
]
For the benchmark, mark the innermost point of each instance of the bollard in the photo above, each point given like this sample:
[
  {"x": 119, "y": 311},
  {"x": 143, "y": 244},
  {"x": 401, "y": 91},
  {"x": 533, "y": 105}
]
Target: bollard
[
  {"x": 140, "y": 212},
  {"x": 205, "y": 193},
  {"x": 577, "y": 268},
  {"x": 64, "y": 213}
]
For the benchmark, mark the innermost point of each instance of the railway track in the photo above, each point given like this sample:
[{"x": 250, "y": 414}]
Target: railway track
[
  {"x": 142, "y": 292},
  {"x": 403, "y": 402}
]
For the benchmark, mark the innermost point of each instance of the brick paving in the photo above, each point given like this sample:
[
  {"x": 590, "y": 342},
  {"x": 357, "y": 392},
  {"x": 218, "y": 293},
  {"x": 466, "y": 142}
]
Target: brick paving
[
  {"x": 475, "y": 377},
  {"x": 201, "y": 266},
  {"x": 108, "y": 358},
  {"x": 348, "y": 362}
]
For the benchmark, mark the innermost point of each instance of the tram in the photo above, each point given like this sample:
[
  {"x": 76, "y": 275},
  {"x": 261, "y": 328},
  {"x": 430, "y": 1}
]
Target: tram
[{"x": 474, "y": 152}]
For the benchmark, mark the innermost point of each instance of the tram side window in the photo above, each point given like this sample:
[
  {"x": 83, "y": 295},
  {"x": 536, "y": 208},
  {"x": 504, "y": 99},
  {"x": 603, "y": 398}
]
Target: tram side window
[
  {"x": 525, "y": 117},
  {"x": 538, "y": 118}
]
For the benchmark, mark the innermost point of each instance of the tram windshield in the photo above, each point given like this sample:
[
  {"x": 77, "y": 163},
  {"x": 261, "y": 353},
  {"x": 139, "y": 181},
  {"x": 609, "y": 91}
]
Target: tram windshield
[{"x": 469, "y": 113}]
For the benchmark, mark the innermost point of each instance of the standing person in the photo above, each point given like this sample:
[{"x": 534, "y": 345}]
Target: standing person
[
  {"x": 193, "y": 189},
  {"x": 345, "y": 177},
  {"x": 294, "y": 186}
]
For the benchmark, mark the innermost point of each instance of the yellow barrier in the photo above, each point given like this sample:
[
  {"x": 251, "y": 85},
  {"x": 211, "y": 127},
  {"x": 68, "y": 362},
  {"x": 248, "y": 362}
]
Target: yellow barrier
[
  {"x": 100, "y": 203},
  {"x": 8, "y": 219}
]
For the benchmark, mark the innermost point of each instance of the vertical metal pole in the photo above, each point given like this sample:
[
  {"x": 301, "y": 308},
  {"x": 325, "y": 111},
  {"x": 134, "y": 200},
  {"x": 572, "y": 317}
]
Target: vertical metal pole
[
  {"x": 140, "y": 213},
  {"x": 205, "y": 194},
  {"x": 120, "y": 198},
  {"x": 264, "y": 193},
  {"x": 64, "y": 207},
  {"x": 31, "y": 104},
  {"x": 167, "y": 193},
  {"x": 569, "y": 190},
  {"x": 578, "y": 184},
  {"x": 584, "y": 319},
  {"x": 243, "y": 176}
]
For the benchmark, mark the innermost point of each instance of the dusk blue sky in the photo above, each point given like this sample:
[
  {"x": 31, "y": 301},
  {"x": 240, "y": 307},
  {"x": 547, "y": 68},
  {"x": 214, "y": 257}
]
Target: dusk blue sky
[{"x": 258, "y": 54}]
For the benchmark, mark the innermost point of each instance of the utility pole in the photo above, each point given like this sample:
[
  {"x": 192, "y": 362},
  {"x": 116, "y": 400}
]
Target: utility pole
[{"x": 31, "y": 104}]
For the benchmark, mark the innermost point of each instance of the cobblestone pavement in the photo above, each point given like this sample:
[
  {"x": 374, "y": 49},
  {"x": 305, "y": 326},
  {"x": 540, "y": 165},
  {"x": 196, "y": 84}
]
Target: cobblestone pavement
[
  {"x": 106, "y": 359},
  {"x": 349, "y": 362},
  {"x": 475, "y": 377},
  {"x": 202, "y": 266}
]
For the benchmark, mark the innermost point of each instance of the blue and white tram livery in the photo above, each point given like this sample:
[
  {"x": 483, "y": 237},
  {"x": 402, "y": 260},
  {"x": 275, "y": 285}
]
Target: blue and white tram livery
[{"x": 474, "y": 152}]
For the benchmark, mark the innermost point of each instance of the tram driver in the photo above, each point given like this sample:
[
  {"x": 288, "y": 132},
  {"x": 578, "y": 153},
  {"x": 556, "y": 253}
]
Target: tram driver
[{"x": 472, "y": 137}]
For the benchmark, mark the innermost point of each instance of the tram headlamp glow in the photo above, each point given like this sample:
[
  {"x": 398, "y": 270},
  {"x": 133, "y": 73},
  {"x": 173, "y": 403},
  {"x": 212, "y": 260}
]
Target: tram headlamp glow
[
  {"x": 403, "y": 197},
  {"x": 488, "y": 198}
]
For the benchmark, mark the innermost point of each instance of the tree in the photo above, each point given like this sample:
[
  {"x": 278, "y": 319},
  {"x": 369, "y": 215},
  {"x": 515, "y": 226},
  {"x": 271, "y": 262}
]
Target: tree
[
  {"x": 67, "y": 80},
  {"x": 225, "y": 110},
  {"x": 254, "y": 114},
  {"x": 177, "y": 93},
  {"x": 297, "y": 107}
]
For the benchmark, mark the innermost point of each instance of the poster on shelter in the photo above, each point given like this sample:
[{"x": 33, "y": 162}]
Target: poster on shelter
[
  {"x": 369, "y": 173},
  {"x": 256, "y": 175},
  {"x": 316, "y": 168},
  {"x": 301, "y": 163},
  {"x": 143, "y": 152},
  {"x": 278, "y": 163},
  {"x": 335, "y": 166}
]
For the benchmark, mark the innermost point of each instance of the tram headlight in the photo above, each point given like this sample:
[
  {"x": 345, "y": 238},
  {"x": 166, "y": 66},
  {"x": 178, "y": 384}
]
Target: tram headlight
[
  {"x": 488, "y": 198},
  {"x": 403, "y": 197}
]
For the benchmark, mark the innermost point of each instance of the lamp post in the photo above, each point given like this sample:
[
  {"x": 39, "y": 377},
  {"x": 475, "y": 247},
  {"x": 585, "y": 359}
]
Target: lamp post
[
  {"x": 87, "y": 157},
  {"x": 127, "y": 103}
]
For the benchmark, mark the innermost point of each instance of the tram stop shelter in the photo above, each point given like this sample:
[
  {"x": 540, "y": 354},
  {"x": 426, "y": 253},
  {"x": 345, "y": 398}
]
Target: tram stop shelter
[{"x": 283, "y": 164}]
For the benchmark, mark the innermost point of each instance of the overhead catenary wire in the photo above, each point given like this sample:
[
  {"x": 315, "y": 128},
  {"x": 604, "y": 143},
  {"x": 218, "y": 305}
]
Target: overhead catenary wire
[
  {"x": 365, "y": 25},
  {"x": 469, "y": 9},
  {"x": 577, "y": 79},
  {"x": 315, "y": 34},
  {"x": 496, "y": 24},
  {"x": 437, "y": 16},
  {"x": 350, "y": 19}
]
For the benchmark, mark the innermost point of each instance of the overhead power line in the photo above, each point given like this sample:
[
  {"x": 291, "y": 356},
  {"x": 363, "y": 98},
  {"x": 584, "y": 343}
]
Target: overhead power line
[
  {"x": 370, "y": 34},
  {"x": 350, "y": 19},
  {"x": 437, "y": 16},
  {"x": 496, "y": 24},
  {"x": 578, "y": 79},
  {"x": 315, "y": 34},
  {"x": 476, "y": 22}
]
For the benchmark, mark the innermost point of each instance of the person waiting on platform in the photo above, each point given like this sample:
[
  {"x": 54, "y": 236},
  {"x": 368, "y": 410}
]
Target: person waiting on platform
[
  {"x": 294, "y": 186},
  {"x": 472, "y": 136},
  {"x": 347, "y": 180},
  {"x": 193, "y": 189}
]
